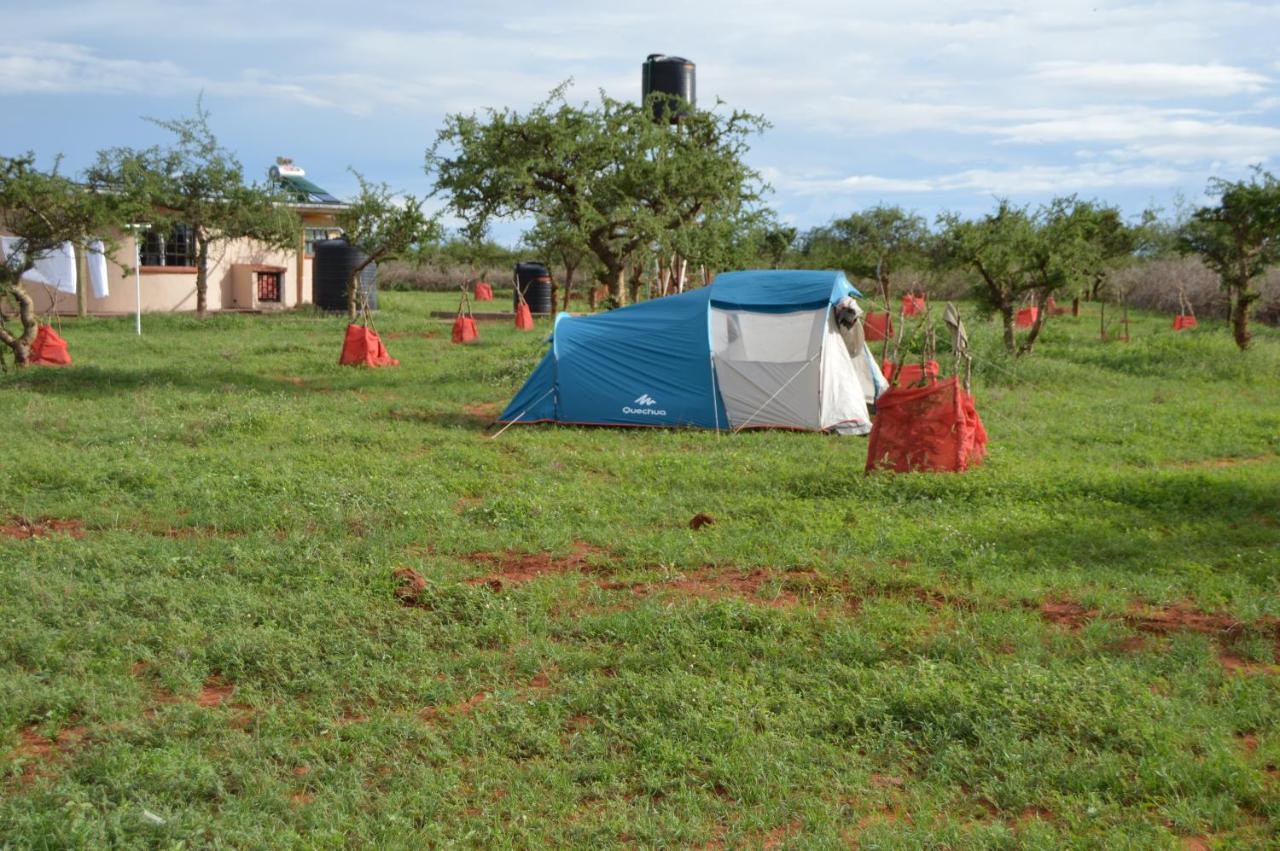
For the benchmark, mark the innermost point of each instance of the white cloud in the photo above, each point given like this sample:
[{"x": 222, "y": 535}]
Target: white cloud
[
  {"x": 42, "y": 67},
  {"x": 1162, "y": 80},
  {"x": 1023, "y": 180}
]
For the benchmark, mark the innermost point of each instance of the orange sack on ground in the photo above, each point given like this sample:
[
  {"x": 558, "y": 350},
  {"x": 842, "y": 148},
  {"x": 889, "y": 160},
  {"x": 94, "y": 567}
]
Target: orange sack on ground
[
  {"x": 48, "y": 348},
  {"x": 484, "y": 292},
  {"x": 1026, "y": 317},
  {"x": 363, "y": 346},
  {"x": 934, "y": 428},
  {"x": 912, "y": 304},
  {"x": 524, "y": 317},
  {"x": 1181, "y": 322},
  {"x": 464, "y": 329}
]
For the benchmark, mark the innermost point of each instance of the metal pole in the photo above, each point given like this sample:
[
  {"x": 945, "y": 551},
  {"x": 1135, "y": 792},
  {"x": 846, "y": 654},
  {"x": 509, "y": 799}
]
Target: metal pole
[{"x": 137, "y": 272}]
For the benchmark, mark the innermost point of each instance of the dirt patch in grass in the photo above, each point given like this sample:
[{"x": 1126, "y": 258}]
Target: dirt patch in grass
[
  {"x": 462, "y": 708},
  {"x": 1067, "y": 613},
  {"x": 216, "y": 692},
  {"x": 409, "y": 585},
  {"x": 486, "y": 410},
  {"x": 40, "y": 755},
  {"x": 699, "y": 520},
  {"x": 514, "y": 568},
  {"x": 1181, "y": 618},
  {"x": 711, "y": 583},
  {"x": 1238, "y": 665},
  {"x": 22, "y": 529}
]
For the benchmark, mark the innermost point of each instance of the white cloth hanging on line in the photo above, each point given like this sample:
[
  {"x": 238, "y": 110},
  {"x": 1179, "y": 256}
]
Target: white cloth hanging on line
[
  {"x": 96, "y": 260},
  {"x": 56, "y": 268}
]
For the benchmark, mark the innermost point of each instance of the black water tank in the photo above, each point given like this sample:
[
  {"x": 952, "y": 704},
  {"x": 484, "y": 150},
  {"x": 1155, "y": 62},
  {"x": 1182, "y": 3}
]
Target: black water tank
[
  {"x": 534, "y": 281},
  {"x": 673, "y": 76},
  {"x": 331, "y": 269}
]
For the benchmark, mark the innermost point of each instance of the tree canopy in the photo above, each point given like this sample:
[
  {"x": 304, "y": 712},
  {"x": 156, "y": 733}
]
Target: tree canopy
[
  {"x": 383, "y": 226},
  {"x": 1239, "y": 239},
  {"x": 195, "y": 182},
  {"x": 608, "y": 171},
  {"x": 43, "y": 210}
]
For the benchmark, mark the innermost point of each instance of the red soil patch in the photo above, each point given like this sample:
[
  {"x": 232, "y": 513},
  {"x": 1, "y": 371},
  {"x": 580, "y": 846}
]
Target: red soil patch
[
  {"x": 1248, "y": 741},
  {"x": 462, "y": 708},
  {"x": 1033, "y": 813},
  {"x": 1066, "y": 613},
  {"x": 1132, "y": 644},
  {"x": 1195, "y": 843},
  {"x": 409, "y": 585},
  {"x": 1237, "y": 665},
  {"x": 301, "y": 770},
  {"x": 1181, "y": 618},
  {"x": 301, "y": 798},
  {"x": 513, "y": 568},
  {"x": 214, "y": 692},
  {"x": 542, "y": 679},
  {"x": 699, "y": 520},
  {"x": 22, "y": 529},
  {"x": 40, "y": 754},
  {"x": 775, "y": 837}
]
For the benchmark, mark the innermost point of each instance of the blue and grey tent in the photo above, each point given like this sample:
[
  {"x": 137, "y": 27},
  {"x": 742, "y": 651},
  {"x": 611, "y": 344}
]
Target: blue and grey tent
[{"x": 758, "y": 349}]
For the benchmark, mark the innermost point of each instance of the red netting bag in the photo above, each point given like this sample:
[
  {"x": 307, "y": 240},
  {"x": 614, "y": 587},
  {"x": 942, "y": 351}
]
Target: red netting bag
[
  {"x": 934, "y": 428},
  {"x": 524, "y": 317},
  {"x": 912, "y": 304},
  {"x": 363, "y": 347},
  {"x": 464, "y": 324},
  {"x": 877, "y": 326},
  {"x": 910, "y": 373},
  {"x": 1182, "y": 322},
  {"x": 48, "y": 348},
  {"x": 484, "y": 292},
  {"x": 1026, "y": 317}
]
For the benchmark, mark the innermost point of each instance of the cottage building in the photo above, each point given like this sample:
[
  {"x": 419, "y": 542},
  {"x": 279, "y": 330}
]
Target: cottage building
[{"x": 243, "y": 275}]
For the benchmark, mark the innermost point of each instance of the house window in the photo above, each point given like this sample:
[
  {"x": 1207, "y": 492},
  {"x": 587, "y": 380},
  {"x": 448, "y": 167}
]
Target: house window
[
  {"x": 314, "y": 235},
  {"x": 175, "y": 248},
  {"x": 268, "y": 286}
]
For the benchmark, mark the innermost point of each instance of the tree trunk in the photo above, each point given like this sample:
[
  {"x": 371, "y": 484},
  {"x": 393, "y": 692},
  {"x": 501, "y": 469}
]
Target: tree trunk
[
  {"x": 353, "y": 286},
  {"x": 1241, "y": 298},
  {"x": 202, "y": 277},
  {"x": 1042, "y": 302},
  {"x": 617, "y": 281},
  {"x": 21, "y": 344},
  {"x": 633, "y": 285},
  {"x": 569, "y": 269},
  {"x": 1006, "y": 316}
]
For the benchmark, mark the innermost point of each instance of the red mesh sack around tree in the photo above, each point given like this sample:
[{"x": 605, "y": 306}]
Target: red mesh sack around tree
[
  {"x": 484, "y": 292},
  {"x": 464, "y": 329},
  {"x": 48, "y": 348},
  {"x": 363, "y": 346},
  {"x": 910, "y": 372},
  {"x": 877, "y": 326},
  {"x": 524, "y": 317},
  {"x": 912, "y": 304},
  {"x": 934, "y": 428},
  {"x": 1026, "y": 317},
  {"x": 1181, "y": 322}
]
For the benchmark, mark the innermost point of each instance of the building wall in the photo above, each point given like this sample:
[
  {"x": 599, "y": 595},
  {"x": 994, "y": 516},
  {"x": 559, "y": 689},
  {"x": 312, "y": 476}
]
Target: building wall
[{"x": 170, "y": 289}]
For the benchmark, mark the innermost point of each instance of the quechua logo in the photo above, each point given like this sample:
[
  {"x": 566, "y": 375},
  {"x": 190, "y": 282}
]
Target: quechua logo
[{"x": 646, "y": 406}]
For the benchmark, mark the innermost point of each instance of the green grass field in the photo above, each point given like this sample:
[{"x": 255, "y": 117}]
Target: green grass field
[{"x": 1074, "y": 645}]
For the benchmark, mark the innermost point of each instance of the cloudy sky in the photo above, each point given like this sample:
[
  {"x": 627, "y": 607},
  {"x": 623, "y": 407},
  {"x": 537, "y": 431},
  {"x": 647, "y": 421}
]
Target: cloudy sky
[{"x": 931, "y": 105}]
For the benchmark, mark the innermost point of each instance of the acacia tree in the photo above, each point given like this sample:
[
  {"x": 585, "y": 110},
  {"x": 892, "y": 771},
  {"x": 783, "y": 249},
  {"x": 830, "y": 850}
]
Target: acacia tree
[
  {"x": 609, "y": 172},
  {"x": 384, "y": 227},
  {"x": 560, "y": 243},
  {"x": 873, "y": 243},
  {"x": 1019, "y": 253},
  {"x": 43, "y": 210},
  {"x": 198, "y": 184},
  {"x": 1239, "y": 239}
]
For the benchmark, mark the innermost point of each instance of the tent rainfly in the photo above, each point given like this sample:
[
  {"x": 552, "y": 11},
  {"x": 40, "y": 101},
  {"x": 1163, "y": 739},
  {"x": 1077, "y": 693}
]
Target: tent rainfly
[{"x": 755, "y": 349}]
